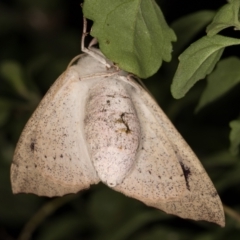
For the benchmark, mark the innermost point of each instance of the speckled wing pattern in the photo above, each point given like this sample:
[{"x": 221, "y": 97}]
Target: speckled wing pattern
[
  {"x": 167, "y": 174},
  {"x": 51, "y": 157}
]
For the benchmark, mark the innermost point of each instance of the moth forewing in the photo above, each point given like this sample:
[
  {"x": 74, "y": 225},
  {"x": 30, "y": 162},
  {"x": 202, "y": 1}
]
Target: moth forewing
[
  {"x": 167, "y": 174},
  {"x": 51, "y": 157}
]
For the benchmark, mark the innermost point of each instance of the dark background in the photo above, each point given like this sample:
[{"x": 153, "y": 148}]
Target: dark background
[{"x": 41, "y": 37}]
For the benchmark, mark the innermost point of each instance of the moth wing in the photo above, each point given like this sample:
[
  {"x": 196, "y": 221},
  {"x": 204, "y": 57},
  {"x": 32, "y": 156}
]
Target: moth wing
[
  {"x": 167, "y": 174},
  {"x": 51, "y": 157}
]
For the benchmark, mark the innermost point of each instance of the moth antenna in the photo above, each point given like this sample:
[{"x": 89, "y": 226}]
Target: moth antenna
[
  {"x": 74, "y": 59},
  {"x": 133, "y": 80},
  {"x": 140, "y": 82}
]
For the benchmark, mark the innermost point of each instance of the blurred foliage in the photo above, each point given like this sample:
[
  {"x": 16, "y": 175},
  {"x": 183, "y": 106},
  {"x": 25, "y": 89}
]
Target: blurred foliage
[{"x": 37, "y": 40}]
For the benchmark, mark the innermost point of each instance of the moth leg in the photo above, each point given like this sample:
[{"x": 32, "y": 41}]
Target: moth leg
[
  {"x": 94, "y": 41},
  {"x": 92, "y": 51}
]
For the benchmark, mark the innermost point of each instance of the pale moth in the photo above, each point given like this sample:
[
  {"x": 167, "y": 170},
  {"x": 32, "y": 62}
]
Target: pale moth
[{"x": 97, "y": 124}]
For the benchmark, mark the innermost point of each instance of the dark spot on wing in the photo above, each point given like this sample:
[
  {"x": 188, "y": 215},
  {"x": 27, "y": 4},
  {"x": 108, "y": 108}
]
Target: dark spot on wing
[
  {"x": 187, "y": 173},
  {"x": 149, "y": 172},
  {"x": 61, "y": 156},
  {"x": 128, "y": 130},
  {"x": 214, "y": 194},
  {"x": 32, "y": 146},
  {"x": 111, "y": 96}
]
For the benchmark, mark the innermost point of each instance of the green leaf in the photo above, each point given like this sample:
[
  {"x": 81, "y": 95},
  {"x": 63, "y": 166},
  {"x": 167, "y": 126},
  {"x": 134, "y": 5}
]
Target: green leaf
[
  {"x": 235, "y": 136},
  {"x": 61, "y": 228},
  {"x": 131, "y": 33},
  {"x": 223, "y": 78},
  {"x": 226, "y": 17},
  {"x": 197, "y": 61},
  {"x": 5, "y": 110},
  {"x": 188, "y": 26},
  {"x": 12, "y": 72}
]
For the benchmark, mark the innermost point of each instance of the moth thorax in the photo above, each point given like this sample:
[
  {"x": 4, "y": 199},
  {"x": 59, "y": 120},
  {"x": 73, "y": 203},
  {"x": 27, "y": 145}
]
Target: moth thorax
[{"x": 112, "y": 130}]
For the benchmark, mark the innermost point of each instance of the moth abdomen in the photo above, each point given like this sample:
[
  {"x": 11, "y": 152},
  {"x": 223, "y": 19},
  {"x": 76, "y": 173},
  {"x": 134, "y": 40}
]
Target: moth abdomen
[{"x": 112, "y": 130}]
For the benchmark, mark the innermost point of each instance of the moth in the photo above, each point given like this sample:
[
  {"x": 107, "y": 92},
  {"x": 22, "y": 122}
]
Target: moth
[{"x": 96, "y": 123}]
